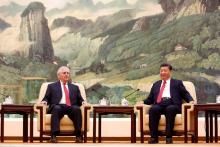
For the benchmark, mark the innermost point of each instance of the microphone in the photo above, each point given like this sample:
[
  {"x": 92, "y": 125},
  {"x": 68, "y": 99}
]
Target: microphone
[
  {"x": 125, "y": 102},
  {"x": 131, "y": 93}
]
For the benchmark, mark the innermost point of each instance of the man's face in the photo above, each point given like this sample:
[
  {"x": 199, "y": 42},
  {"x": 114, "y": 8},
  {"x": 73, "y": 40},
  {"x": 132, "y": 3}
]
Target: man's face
[
  {"x": 64, "y": 75},
  {"x": 165, "y": 73}
]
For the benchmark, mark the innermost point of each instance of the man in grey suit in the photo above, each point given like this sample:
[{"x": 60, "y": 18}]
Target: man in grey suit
[
  {"x": 64, "y": 98},
  {"x": 166, "y": 98}
]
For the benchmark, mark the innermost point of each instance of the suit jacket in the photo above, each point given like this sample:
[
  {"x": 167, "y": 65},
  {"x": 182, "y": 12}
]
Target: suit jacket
[
  {"x": 54, "y": 94},
  {"x": 178, "y": 93}
]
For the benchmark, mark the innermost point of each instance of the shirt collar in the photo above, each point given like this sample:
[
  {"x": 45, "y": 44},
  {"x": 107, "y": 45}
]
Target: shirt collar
[
  {"x": 63, "y": 83},
  {"x": 167, "y": 81}
]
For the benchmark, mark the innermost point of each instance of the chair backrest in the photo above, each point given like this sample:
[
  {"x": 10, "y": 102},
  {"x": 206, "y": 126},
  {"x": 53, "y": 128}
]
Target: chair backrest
[
  {"x": 43, "y": 90},
  {"x": 190, "y": 87}
]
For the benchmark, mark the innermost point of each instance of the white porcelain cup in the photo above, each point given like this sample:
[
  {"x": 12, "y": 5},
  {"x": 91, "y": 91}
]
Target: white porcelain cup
[
  {"x": 103, "y": 102},
  {"x": 124, "y": 102},
  {"x": 218, "y": 99}
]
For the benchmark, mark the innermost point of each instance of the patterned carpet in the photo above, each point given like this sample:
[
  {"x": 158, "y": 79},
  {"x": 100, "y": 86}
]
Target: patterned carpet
[{"x": 103, "y": 145}]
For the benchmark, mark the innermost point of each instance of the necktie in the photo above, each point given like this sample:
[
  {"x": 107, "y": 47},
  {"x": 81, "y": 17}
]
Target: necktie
[
  {"x": 161, "y": 92},
  {"x": 67, "y": 95}
]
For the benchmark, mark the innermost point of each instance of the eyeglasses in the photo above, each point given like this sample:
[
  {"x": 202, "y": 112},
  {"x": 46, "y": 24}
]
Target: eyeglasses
[{"x": 65, "y": 73}]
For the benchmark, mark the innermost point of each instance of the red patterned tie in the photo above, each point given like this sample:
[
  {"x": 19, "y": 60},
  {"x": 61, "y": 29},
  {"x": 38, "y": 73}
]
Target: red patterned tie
[
  {"x": 66, "y": 95},
  {"x": 161, "y": 92}
]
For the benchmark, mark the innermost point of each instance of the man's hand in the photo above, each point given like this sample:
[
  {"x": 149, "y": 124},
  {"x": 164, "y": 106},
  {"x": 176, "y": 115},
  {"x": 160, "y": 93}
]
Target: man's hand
[
  {"x": 191, "y": 102},
  {"x": 140, "y": 103},
  {"x": 44, "y": 102},
  {"x": 84, "y": 103}
]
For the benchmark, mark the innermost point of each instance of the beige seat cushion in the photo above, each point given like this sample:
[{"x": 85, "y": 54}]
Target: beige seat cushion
[
  {"x": 65, "y": 123},
  {"x": 178, "y": 125},
  {"x": 178, "y": 120}
]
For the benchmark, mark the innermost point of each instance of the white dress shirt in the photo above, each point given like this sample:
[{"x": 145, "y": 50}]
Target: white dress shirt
[{"x": 166, "y": 91}]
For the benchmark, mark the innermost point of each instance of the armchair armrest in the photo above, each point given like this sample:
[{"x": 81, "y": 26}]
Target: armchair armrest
[
  {"x": 141, "y": 109},
  {"x": 187, "y": 112},
  {"x": 40, "y": 107},
  {"x": 140, "y": 105},
  {"x": 187, "y": 117},
  {"x": 86, "y": 109},
  {"x": 41, "y": 110}
]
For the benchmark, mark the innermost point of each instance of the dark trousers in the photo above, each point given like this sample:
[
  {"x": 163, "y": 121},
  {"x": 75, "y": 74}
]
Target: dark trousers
[
  {"x": 73, "y": 112},
  {"x": 169, "y": 110}
]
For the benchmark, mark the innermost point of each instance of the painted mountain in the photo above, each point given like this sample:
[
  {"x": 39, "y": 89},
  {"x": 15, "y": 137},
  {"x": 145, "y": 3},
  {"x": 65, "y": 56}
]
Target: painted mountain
[
  {"x": 115, "y": 47},
  {"x": 3, "y": 25}
]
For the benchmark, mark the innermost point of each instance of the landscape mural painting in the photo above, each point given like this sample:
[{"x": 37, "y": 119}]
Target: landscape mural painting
[{"x": 113, "y": 47}]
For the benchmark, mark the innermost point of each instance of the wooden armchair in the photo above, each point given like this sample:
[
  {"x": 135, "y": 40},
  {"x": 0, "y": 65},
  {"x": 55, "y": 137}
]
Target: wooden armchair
[
  {"x": 183, "y": 122},
  {"x": 66, "y": 125}
]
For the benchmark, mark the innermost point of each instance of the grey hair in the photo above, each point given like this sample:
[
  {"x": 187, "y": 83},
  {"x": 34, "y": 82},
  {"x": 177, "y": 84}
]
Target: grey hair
[{"x": 61, "y": 69}]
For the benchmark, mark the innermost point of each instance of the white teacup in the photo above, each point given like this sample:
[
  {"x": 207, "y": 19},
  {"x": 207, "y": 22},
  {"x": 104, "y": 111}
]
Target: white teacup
[
  {"x": 8, "y": 100},
  {"x": 124, "y": 102},
  {"x": 103, "y": 102}
]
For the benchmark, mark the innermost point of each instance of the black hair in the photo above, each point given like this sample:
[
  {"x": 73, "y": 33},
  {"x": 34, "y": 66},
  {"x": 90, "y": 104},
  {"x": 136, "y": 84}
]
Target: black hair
[{"x": 166, "y": 65}]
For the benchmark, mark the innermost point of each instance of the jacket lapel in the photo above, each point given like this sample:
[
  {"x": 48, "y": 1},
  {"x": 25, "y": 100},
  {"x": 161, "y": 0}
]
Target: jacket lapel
[
  {"x": 171, "y": 87},
  {"x": 157, "y": 89},
  {"x": 59, "y": 90},
  {"x": 70, "y": 92}
]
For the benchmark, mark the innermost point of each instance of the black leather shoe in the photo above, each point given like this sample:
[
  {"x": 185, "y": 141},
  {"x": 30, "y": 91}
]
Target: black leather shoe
[
  {"x": 169, "y": 140},
  {"x": 53, "y": 139},
  {"x": 79, "y": 139},
  {"x": 153, "y": 140}
]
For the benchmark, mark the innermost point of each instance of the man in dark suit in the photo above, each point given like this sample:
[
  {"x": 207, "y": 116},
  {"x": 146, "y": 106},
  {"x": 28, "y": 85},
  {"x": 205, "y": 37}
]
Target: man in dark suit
[
  {"x": 64, "y": 98},
  {"x": 166, "y": 97}
]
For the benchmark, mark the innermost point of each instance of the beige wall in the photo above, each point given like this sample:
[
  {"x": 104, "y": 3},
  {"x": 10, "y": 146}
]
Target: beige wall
[{"x": 111, "y": 127}]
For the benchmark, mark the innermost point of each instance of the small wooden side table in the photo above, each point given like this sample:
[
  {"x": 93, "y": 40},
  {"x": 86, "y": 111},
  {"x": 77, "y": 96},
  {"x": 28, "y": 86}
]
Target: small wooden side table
[
  {"x": 210, "y": 111},
  {"x": 104, "y": 110},
  {"x": 24, "y": 110}
]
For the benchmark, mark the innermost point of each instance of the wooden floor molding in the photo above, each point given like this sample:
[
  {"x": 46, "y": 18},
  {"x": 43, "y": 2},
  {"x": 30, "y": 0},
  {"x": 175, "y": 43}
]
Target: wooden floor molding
[
  {"x": 104, "y": 139},
  {"x": 105, "y": 145}
]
